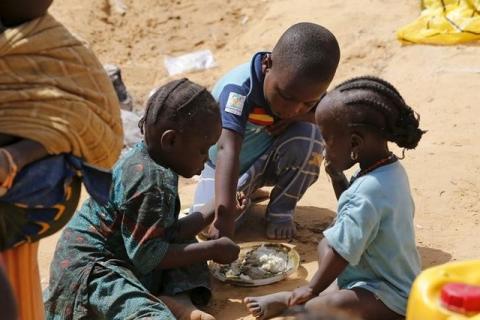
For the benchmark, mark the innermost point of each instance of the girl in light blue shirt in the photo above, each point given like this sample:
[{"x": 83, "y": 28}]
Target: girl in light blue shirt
[{"x": 370, "y": 250}]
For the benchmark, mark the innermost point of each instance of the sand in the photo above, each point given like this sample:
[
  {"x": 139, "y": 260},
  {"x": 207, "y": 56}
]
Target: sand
[{"x": 441, "y": 83}]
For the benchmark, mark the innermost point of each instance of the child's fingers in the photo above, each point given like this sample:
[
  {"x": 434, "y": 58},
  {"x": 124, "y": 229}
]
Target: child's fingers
[
  {"x": 241, "y": 196},
  {"x": 241, "y": 199},
  {"x": 328, "y": 165},
  {"x": 242, "y": 205},
  {"x": 213, "y": 233},
  {"x": 293, "y": 300},
  {"x": 290, "y": 301}
]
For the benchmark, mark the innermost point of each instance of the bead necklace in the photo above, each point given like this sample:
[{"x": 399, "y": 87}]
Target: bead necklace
[{"x": 390, "y": 159}]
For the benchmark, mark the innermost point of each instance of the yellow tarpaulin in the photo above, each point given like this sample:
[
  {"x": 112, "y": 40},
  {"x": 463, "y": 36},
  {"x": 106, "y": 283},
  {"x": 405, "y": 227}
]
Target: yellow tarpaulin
[{"x": 444, "y": 22}]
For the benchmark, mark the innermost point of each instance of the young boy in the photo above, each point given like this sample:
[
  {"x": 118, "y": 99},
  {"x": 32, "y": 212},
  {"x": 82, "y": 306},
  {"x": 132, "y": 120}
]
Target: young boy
[{"x": 268, "y": 136}]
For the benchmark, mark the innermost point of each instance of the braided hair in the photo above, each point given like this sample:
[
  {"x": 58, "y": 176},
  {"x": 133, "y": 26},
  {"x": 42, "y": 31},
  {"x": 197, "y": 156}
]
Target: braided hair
[
  {"x": 379, "y": 98},
  {"x": 177, "y": 104}
]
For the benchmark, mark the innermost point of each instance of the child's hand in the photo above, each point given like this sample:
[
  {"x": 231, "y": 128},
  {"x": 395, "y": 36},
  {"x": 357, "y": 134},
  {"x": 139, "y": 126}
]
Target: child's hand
[
  {"x": 213, "y": 232},
  {"x": 241, "y": 202},
  {"x": 300, "y": 296},
  {"x": 220, "y": 226},
  {"x": 332, "y": 172},
  {"x": 224, "y": 250}
]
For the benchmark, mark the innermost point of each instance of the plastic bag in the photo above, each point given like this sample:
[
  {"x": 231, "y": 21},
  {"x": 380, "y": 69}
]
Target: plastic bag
[
  {"x": 194, "y": 61},
  {"x": 131, "y": 131}
]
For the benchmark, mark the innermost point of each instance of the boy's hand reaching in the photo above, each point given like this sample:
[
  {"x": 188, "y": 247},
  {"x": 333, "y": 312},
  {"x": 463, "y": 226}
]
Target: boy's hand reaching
[
  {"x": 240, "y": 205},
  {"x": 218, "y": 226},
  {"x": 300, "y": 296},
  {"x": 213, "y": 232}
]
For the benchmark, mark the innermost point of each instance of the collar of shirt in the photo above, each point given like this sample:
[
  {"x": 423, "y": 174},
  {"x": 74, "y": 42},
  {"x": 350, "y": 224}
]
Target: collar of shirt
[{"x": 256, "y": 82}]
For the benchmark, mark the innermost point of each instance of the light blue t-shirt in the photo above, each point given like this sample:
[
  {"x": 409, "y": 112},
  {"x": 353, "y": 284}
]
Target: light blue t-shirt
[{"x": 374, "y": 232}]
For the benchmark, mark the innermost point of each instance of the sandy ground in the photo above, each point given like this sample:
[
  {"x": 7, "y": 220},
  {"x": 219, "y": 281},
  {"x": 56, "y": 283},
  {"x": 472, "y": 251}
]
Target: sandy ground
[{"x": 441, "y": 83}]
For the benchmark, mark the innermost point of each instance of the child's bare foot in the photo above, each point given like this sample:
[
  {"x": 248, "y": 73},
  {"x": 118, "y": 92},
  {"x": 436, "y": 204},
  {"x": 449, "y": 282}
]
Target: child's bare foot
[
  {"x": 282, "y": 230},
  {"x": 268, "y": 306},
  {"x": 183, "y": 309}
]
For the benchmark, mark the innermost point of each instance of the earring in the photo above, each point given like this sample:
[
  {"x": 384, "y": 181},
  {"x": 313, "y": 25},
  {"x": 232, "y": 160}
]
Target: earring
[{"x": 354, "y": 156}]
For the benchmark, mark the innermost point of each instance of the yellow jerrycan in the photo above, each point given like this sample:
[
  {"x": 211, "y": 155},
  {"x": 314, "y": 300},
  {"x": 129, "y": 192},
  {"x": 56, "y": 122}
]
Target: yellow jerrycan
[{"x": 447, "y": 292}]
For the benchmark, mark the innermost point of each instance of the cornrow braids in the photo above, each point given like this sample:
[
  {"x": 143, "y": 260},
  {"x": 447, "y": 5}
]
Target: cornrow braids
[
  {"x": 401, "y": 122},
  {"x": 156, "y": 102},
  {"x": 178, "y": 101},
  {"x": 371, "y": 80}
]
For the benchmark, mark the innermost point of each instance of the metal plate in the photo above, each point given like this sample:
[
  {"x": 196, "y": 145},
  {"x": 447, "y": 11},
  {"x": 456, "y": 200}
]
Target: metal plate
[{"x": 292, "y": 265}]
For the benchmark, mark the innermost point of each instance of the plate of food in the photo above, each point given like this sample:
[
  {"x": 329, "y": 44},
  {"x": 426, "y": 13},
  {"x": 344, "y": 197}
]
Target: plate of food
[{"x": 258, "y": 264}]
